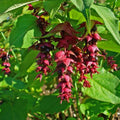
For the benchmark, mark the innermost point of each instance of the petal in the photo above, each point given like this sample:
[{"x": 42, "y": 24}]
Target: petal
[
  {"x": 60, "y": 55},
  {"x": 67, "y": 61}
]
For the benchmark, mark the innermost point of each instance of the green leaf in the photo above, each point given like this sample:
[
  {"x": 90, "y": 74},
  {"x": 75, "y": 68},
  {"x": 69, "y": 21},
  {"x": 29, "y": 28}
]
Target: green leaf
[
  {"x": 111, "y": 22},
  {"x": 16, "y": 110},
  {"x": 35, "y": 83},
  {"x": 18, "y": 84},
  {"x": 5, "y": 17},
  {"x": 51, "y": 104},
  {"x": 103, "y": 87},
  {"x": 117, "y": 3},
  {"x": 30, "y": 100},
  {"x": 75, "y": 15},
  {"x": 84, "y": 7},
  {"x": 7, "y": 95},
  {"x": 27, "y": 62},
  {"x": 109, "y": 43},
  {"x": 54, "y": 5},
  {"x": 82, "y": 4},
  {"x": 8, "y": 5},
  {"x": 11, "y": 82},
  {"x": 97, "y": 118},
  {"x": 92, "y": 107},
  {"x": 17, "y": 107},
  {"x": 25, "y": 30}
]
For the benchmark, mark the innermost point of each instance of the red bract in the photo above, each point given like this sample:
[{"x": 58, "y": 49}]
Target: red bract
[
  {"x": 86, "y": 84},
  {"x": 112, "y": 64},
  {"x": 67, "y": 61},
  {"x": 39, "y": 76},
  {"x": 38, "y": 69},
  {"x": 65, "y": 29},
  {"x": 62, "y": 44},
  {"x": 66, "y": 41},
  {"x": 6, "y": 64},
  {"x": 88, "y": 38},
  {"x": 91, "y": 48},
  {"x": 30, "y": 7},
  {"x": 70, "y": 69},
  {"x": 60, "y": 55},
  {"x": 7, "y": 70},
  {"x": 67, "y": 78},
  {"x": 96, "y": 36}
]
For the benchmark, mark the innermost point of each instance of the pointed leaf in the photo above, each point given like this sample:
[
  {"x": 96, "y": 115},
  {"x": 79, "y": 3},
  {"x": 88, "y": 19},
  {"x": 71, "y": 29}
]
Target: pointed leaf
[
  {"x": 54, "y": 5},
  {"x": 16, "y": 110},
  {"x": 25, "y": 30},
  {"x": 82, "y": 4},
  {"x": 8, "y": 5},
  {"x": 27, "y": 62},
  {"x": 109, "y": 43},
  {"x": 92, "y": 107},
  {"x": 111, "y": 22},
  {"x": 51, "y": 104},
  {"x": 66, "y": 27},
  {"x": 103, "y": 87}
]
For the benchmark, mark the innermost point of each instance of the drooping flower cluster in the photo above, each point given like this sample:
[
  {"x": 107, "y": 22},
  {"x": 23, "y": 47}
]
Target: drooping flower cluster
[
  {"x": 84, "y": 59},
  {"x": 43, "y": 58},
  {"x": 64, "y": 69},
  {"x": 44, "y": 46},
  {"x": 90, "y": 57},
  {"x": 5, "y": 61},
  {"x": 70, "y": 57}
]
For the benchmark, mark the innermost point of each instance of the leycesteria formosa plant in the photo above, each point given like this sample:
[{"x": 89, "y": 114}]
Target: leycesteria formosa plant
[{"x": 59, "y": 60}]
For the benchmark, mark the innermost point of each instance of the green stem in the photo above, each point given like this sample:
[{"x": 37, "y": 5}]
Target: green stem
[
  {"x": 3, "y": 36},
  {"x": 88, "y": 20},
  {"x": 101, "y": 63},
  {"x": 114, "y": 5},
  {"x": 87, "y": 14},
  {"x": 77, "y": 100},
  {"x": 117, "y": 55},
  {"x": 14, "y": 54}
]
